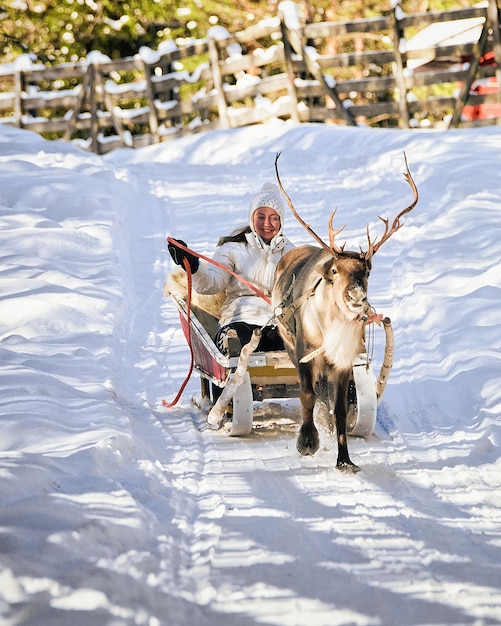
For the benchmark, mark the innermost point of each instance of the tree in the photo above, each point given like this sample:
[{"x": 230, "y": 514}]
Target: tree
[{"x": 57, "y": 31}]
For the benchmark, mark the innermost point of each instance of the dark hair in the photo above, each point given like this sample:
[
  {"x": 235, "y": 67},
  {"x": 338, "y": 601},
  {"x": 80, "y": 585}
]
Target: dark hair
[{"x": 237, "y": 236}]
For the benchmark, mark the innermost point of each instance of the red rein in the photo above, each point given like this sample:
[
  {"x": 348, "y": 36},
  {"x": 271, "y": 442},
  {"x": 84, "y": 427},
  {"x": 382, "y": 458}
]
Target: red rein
[{"x": 223, "y": 267}]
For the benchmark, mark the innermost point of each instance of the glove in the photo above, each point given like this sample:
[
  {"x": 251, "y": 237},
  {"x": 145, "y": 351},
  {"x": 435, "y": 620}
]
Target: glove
[{"x": 178, "y": 255}]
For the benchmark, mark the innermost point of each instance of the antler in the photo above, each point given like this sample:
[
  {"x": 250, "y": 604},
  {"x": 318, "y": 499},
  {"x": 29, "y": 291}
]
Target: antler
[
  {"x": 299, "y": 219},
  {"x": 388, "y": 232},
  {"x": 332, "y": 233},
  {"x": 374, "y": 246}
]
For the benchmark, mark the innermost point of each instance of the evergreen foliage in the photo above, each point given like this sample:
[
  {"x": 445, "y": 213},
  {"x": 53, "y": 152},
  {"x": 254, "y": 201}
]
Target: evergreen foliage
[{"x": 60, "y": 31}]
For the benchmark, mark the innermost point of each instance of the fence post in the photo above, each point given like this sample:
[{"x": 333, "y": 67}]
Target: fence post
[
  {"x": 150, "y": 95},
  {"x": 399, "y": 66},
  {"x": 75, "y": 112},
  {"x": 493, "y": 15},
  {"x": 289, "y": 68},
  {"x": 218, "y": 84},
  {"x": 94, "y": 122},
  {"x": 470, "y": 76},
  {"x": 18, "y": 97}
]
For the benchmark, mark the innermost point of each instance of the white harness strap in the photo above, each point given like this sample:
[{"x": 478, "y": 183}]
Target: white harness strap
[{"x": 309, "y": 357}]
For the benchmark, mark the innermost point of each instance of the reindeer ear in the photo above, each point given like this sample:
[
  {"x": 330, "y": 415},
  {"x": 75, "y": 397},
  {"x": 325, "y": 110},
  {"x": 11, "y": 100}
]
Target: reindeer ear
[{"x": 326, "y": 269}]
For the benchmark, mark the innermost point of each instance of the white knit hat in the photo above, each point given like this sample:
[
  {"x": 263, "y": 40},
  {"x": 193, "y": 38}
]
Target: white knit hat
[{"x": 270, "y": 197}]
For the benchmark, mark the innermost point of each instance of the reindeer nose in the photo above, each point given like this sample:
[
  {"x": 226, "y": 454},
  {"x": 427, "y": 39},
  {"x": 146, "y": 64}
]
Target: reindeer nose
[{"x": 357, "y": 295}]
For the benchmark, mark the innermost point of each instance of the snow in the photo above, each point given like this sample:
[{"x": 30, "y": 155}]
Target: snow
[
  {"x": 290, "y": 14},
  {"x": 116, "y": 511}
]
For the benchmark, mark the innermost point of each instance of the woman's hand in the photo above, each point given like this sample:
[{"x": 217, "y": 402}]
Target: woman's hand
[{"x": 178, "y": 255}]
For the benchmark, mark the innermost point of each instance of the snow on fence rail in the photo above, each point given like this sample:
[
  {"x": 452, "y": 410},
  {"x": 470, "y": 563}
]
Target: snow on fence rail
[{"x": 398, "y": 70}]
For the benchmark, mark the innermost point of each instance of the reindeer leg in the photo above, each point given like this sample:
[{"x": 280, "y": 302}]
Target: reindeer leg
[
  {"x": 307, "y": 441},
  {"x": 344, "y": 462}
]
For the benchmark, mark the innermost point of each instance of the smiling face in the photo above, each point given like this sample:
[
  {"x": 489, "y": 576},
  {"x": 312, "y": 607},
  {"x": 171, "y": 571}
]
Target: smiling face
[{"x": 266, "y": 223}]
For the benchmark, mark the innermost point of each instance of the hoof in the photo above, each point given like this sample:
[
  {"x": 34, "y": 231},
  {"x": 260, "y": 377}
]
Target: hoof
[
  {"x": 347, "y": 467},
  {"x": 308, "y": 442},
  {"x": 306, "y": 450}
]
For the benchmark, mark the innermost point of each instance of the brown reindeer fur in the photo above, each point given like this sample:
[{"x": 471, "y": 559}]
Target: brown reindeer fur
[{"x": 326, "y": 332}]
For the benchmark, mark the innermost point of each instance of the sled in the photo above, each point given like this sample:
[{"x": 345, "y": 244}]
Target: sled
[{"x": 266, "y": 375}]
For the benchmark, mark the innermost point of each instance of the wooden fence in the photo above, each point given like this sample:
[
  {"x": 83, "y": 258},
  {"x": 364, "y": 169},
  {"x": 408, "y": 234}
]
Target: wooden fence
[{"x": 373, "y": 72}]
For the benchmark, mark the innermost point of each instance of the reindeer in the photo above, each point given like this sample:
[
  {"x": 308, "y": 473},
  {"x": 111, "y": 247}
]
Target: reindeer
[{"x": 320, "y": 299}]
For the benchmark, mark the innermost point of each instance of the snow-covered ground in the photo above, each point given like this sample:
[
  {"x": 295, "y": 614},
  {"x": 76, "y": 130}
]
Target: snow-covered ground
[{"x": 115, "y": 511}]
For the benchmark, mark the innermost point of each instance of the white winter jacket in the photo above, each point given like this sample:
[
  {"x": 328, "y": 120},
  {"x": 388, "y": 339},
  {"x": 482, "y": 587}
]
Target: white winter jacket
[{"x": 255, "y": 261}]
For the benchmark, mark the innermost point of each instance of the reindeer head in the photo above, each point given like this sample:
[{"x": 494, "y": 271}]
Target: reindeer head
[{"x": 346, "y": 277}]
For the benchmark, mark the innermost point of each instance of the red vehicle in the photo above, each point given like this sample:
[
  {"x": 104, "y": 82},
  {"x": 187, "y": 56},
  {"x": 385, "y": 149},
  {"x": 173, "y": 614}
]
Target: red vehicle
[{"x": 487, "y": 110}]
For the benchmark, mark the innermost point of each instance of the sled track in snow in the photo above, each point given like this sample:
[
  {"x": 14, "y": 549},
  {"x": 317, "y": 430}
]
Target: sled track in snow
[{"x": 253, "y": 500}]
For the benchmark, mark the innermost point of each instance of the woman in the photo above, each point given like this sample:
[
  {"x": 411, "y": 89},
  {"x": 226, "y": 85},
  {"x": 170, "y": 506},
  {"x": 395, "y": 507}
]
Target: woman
[{"x": 253, "y": 253}]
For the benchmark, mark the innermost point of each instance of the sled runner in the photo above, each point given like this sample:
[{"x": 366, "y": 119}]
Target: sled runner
[{"x": 256, "y": 376}]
